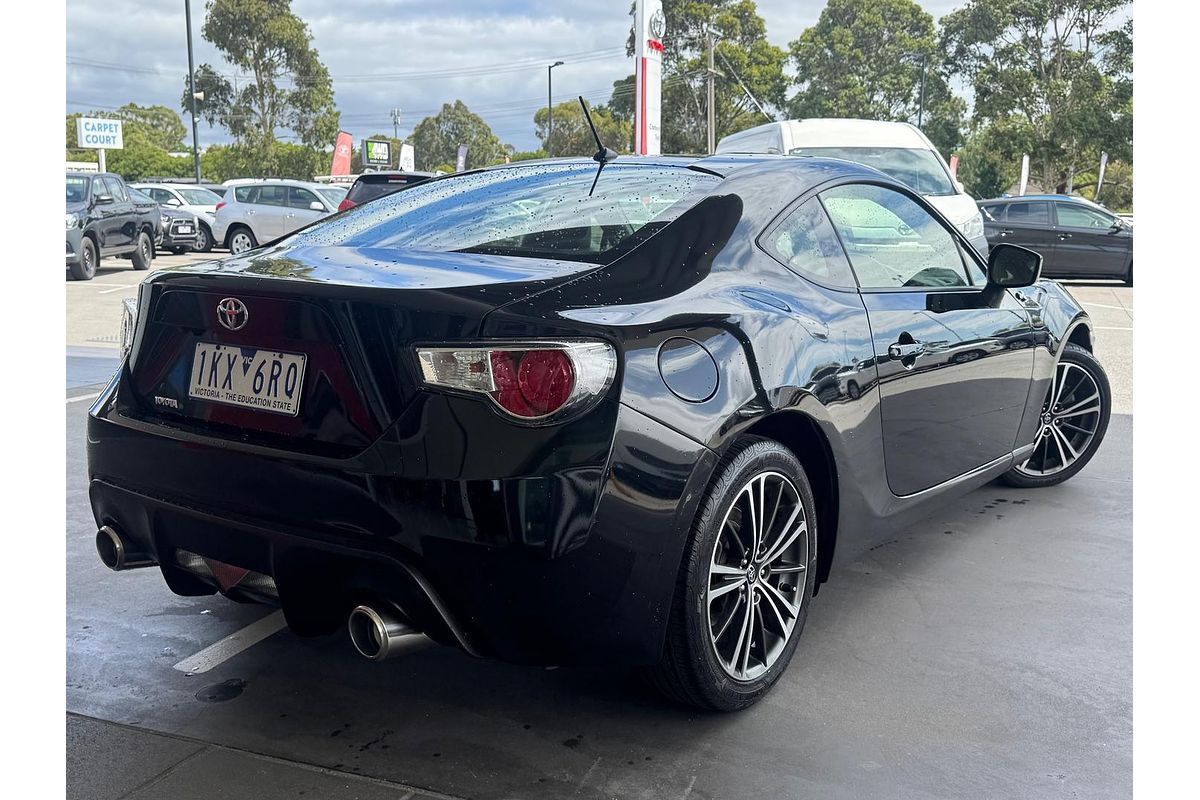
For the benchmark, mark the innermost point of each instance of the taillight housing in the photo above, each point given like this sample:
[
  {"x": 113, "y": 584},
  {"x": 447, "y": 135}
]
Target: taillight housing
[
  {"x": 346, "y": 204},
  {"x": 220, "y": 205},
  {"x": 530, "y": 382}
]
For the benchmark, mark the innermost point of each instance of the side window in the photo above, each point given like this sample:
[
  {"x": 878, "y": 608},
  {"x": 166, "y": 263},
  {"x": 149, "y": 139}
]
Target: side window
[
  {"x": 891, "y": 241},
  {"x": 117, "y": 190},
  {"x": 994, "y": 213},
  {"x": 806, "y": 242},
  {"x": 246, "y": 194},
  {"x": 272, "y": 195},
  {"x": 98, "y": 187},
  {"x": 161, "y": 195},
  {"x": 1029, "y": 213},
  {"x": 300, "y": 198},
  {"x": 1073, "y": 215}
]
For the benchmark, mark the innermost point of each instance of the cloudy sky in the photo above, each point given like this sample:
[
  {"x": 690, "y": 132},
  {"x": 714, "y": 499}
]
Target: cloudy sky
[{"x": 414, "y": 54}]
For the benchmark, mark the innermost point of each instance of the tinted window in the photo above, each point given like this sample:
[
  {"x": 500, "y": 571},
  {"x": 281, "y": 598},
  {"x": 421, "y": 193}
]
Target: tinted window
[
  {"x": 367, "y": 189},
  {"x": 271, "y": 196},
  {"x": 920, "y": 170},
  {"x": 160, "y": 195},
  {"x": 1074, "y": 215},
  {"x": 98, "y": 187},
  {"x": 1029, "y": 213},
  {"x": 993, "y": 213},
  {"x": 542, "y": 211},
  {"x": 807, "y": 243},
  {"x": 116, "y": 189},
  {"x": 892, "y": 241},
  {"x": 300, "y": 198}
]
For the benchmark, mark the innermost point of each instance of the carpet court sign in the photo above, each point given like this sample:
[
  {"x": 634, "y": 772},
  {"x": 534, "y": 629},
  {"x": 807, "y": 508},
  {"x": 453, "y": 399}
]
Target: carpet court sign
[{"x": 99, "y": 135}]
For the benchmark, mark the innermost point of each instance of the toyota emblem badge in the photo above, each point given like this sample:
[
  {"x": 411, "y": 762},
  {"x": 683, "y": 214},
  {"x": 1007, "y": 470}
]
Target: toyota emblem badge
[{"x": 232, "y": 314}]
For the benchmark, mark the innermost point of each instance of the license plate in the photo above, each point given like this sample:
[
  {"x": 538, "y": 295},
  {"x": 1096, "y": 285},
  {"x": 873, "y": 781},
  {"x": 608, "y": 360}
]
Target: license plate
[
  {"x": 244, "y": 376},
  {"x": 185, "y": 228}
]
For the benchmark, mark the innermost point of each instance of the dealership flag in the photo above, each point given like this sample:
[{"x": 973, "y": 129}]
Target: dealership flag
[
  {"x": 954, "y": 167},
  {"x": 408, "y": 158},
  {"x": 1100, "y": 177},
  {"x": 649, "y": 27},
  {"x": 341, "y": 154},
  {"x": 1024, "y": 174}
]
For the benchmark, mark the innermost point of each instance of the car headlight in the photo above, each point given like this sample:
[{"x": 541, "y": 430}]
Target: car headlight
[
  {"x": 973, "y": 228},
  {"x": 128, "y": 324},
  {"x": 163, "y": 219},
  {"x": 72, "y": 221}
]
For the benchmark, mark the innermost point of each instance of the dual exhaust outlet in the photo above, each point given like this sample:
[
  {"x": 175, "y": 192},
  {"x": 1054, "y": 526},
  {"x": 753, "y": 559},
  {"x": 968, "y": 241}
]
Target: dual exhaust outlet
[{"x": 378, "y": 631}]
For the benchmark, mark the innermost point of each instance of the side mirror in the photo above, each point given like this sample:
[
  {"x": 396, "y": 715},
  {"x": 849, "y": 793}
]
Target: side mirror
[
  {"x": 315, "y": 206},
  {"x": 173, "y": 202},
  {"x": 1011, "y": 266},
  {"x": 102, "y": 199}
]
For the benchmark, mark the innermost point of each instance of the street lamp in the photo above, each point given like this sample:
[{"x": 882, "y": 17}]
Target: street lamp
[
  {"x": 187, "y": 12},
  {"x": 550, "y": 103}
]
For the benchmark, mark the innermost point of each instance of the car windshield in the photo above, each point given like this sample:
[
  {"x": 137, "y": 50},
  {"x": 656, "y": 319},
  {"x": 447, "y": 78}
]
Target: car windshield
[
  {"x": 198, "y": 196},
  {"x": 542, "y": 211},
  {"x": 77, "y": 188},
  {"x": 332, "y": 194},
  {"x": 921, "y": 170},
  {"x": 140, "y": 196}
]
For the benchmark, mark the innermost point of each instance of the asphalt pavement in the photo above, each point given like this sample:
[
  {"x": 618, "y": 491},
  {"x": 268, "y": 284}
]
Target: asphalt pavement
[{"x": 984, "y": 652}]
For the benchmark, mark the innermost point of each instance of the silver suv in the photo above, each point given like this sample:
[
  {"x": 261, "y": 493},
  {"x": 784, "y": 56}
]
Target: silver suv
[{"x": 256, "y": 213}]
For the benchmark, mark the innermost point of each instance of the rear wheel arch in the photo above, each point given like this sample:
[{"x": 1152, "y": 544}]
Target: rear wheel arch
[{"x": 803, "y": 436}]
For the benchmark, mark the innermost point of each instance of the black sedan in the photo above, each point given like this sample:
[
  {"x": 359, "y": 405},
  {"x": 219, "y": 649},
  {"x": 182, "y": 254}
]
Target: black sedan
[
  {"x": 555, "y": 422},
  {"x": 1076, "y": 237}
]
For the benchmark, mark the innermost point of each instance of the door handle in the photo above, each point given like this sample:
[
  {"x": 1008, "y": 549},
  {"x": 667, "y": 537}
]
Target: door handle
[
  {"x": 1062, "y": 237},
  {"x": 906, "y": 349},
  {"x": 1006, "y": 232}
]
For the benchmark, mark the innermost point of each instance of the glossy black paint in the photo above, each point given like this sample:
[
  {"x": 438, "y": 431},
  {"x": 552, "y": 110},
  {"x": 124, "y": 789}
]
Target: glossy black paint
[
  {"x": 558, "y": 543},
  {"x": 111, "y": 221}
]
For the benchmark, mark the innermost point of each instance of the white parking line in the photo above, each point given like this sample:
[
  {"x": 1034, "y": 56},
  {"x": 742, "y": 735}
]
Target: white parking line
[
  {"x": 83, "y": 397},
  {"x": 220, "y": 652},
  {"x": 1104, "y": 328},
  {"x": 1092, "y": 305},
  {"x": 132, "y": 288}
]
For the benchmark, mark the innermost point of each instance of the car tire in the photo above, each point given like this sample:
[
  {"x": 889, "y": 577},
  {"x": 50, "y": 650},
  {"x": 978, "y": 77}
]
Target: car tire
[
  {"x": 1071, "y": 431},
  {"x": 85, "y": 268},
  {"x": 241, "y": 240},
  {"x": 204, "y": 239},
  {"x": 144, "y": 254},
  {"x": 714, "y": 672}
]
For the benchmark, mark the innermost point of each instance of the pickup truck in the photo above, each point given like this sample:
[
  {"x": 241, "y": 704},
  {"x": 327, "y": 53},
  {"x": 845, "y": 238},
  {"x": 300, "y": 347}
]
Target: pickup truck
[{"x": 103, "y": 220}]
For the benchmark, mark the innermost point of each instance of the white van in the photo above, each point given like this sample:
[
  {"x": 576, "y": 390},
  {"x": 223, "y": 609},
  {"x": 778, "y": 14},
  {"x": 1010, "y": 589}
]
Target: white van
[{"x": 897, "y": 149}]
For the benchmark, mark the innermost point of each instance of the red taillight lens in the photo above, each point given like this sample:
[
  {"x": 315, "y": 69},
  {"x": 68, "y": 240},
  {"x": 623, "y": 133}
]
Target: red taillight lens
[
  {"x": 346, "y": 203},
  {"x": 220, "y": 205},
  {"x": 529, "y": 382},
  {"x": 532, "y": 384}
]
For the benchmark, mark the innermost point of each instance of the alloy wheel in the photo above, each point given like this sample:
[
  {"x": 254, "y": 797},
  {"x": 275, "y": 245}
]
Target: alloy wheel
[
  {"x": 755, "y": 578},
  {"x": 239, "y": 244},
  {"x": 1070, "y": 419}
]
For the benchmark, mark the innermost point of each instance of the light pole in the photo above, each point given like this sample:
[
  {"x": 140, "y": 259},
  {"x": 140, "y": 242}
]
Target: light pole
[
  {"x": 187, "y": 11},
  {"x": 550, "y": 104}
]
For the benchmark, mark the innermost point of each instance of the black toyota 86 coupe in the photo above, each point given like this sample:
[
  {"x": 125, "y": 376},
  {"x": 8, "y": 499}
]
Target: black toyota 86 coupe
[{"x": 567, "y": 412}]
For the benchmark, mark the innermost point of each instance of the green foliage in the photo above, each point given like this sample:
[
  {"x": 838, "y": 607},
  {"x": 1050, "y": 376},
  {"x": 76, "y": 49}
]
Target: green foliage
[
  {"x": 573, "y": 137},
  {"x": 436, "y": 139},
  {"x": 989, "y": 164},
  {"x": 865, "y": 59},
  {"x": 286, "y": 160},
  {"x": 289, "y": 87},
  {"x": 528, "y": 155},
  {"x": 1053, "y": 65},
  {"x": 742, "y": 50}
]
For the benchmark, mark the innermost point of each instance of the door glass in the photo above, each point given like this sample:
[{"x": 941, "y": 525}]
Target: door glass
[
  {"x": 993, "y": 213},
  {"x": 116, "y": 189},
  {"x": 1029, "y": 213},
  {"x": 1073, "y": 215},
  {"x": 272, "y": 196},
  {"x": 893, "y": 242},
  {"x": 98, "y": 187},
  {"x": 160, "y": 195},
  {"x": 807, "y": 243},
  {"x": 300, "y": 198}
]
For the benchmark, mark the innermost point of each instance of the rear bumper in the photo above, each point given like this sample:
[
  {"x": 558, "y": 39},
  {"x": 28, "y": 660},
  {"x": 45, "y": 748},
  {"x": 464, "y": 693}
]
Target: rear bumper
[{"x": 572, "y": 565}]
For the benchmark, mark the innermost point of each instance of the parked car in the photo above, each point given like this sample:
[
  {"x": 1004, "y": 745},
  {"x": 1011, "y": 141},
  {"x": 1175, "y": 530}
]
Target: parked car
[
  {"x": 1076, "y": 237},
  {"x": 554, "y": 425},
  {"x": 177, "y": 231},
  {"x": 371, "y": 185},
  {"x": 897, "y": 149},
  {"x": 103, "y": 221},
  {"x": 198, "y": 200},
  {"x": 256, "y": 213}
]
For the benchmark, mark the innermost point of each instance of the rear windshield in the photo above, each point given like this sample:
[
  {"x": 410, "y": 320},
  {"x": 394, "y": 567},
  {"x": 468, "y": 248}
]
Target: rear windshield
[
  {"x": 367, "y": 189},
  {"x": 920, "y": 170},
  {"x": 541, "y": 211}
]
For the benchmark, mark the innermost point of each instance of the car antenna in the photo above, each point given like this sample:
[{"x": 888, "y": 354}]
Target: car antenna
[{"x": 603, "y": 154}]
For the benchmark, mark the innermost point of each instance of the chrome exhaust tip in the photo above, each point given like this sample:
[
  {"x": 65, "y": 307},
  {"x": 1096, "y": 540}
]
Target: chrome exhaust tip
[
  {"x": 379, "y": 633},
  {"x": 115, "y": 554}
]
